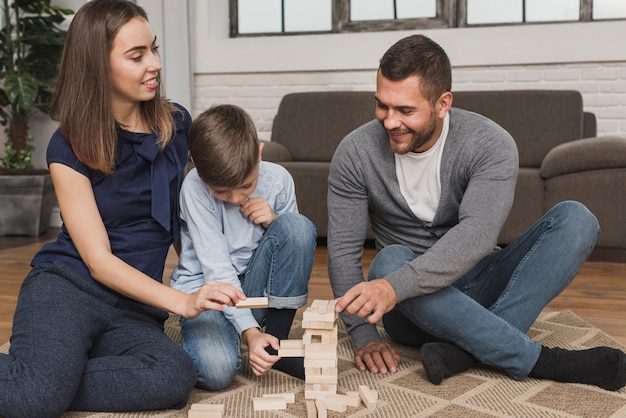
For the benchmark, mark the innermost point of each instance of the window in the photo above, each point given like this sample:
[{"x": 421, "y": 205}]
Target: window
[{"x": 289, "y": 17}]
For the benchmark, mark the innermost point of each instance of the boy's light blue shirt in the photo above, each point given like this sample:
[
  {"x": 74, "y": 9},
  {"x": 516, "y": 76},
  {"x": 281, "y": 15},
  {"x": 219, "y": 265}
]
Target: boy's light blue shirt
[{"x": 218, "y": 241}]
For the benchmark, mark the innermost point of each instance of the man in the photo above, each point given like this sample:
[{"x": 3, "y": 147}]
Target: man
[{"x": 437, "y": 184}]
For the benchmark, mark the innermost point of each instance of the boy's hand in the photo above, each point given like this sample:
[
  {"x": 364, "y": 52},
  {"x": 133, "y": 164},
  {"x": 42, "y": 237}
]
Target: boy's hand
[
  {"x": 260, "y": 360},
  {"x": 258, "y": 211}
]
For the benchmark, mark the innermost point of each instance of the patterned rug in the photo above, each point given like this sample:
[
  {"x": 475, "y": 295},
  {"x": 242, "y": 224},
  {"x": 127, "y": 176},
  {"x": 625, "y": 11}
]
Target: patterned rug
[{"x": 478, "y": 393}]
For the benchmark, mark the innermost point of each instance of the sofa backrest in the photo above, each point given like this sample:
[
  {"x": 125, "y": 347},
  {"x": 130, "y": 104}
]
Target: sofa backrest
[
  {"x": 538, "y": 120},
  {"x": 311, "y": 124}
]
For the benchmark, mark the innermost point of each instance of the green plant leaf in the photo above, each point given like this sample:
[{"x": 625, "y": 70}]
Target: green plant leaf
[
  {"x": 31, "y": 41},
  {"x": 21, "y": 89}
]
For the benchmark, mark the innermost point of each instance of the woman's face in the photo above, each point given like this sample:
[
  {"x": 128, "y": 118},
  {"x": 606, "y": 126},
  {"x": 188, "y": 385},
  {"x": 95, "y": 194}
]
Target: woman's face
[{"x": 135, "y": 64}]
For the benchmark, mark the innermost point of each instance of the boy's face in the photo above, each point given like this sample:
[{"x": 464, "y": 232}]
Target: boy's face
[{"x": 239, "y": 194}]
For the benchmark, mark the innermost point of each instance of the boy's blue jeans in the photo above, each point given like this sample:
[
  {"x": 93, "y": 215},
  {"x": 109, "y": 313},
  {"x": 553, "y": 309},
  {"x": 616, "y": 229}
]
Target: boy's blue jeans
[
  {"x": 279, "y": 269},
  {"x": 488, "y": 311},
  {"x": 78, "y": 346}
]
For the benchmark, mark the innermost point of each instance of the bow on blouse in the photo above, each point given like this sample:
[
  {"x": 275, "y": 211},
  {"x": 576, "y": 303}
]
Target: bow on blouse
[{"x": 159, "y": 180}]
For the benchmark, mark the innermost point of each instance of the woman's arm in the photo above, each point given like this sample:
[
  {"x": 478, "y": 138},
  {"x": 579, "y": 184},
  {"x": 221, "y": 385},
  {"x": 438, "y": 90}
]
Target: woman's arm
[{"x": 84, "y": 224}]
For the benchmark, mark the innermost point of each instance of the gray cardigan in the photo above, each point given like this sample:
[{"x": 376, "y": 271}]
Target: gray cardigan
[{"x": 478, "y": 173}]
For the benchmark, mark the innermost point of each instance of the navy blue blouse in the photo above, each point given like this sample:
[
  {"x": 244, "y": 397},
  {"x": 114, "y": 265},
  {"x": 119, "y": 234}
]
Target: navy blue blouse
[{"x": 138, "y": 202}]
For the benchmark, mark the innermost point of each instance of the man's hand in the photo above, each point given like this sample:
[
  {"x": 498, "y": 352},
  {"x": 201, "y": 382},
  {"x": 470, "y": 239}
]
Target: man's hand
[
  {"x": 258, "y": 211},
  {"x": 369, "y": 300},
  {"x": 377, "y": 357}
]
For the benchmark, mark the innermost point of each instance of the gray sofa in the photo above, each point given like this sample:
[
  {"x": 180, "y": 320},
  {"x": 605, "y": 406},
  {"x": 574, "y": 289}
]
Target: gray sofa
[{"x": 560, "y": 156}]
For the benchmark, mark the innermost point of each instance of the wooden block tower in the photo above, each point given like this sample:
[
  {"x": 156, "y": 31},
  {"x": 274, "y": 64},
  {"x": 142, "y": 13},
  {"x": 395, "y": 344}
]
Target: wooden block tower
[{"x": 319, "y": 322}]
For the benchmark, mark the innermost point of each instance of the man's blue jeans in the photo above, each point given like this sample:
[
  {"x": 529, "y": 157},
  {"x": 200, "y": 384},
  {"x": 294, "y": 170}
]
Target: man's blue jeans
[
  {"x": 488, "y": 311},
  {"x": 279, "y": 269},
  {"x": 78, "y": 346}
]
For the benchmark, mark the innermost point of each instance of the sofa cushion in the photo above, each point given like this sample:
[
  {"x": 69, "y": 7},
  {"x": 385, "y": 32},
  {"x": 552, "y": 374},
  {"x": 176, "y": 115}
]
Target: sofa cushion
[
  {"x": 527, "y": 205},
  {"x": 325, "y": 117},
  {"x": 311, "y": 182},
  {"x": 600, "y": 153},
  {"x": 538, "y": 120}
]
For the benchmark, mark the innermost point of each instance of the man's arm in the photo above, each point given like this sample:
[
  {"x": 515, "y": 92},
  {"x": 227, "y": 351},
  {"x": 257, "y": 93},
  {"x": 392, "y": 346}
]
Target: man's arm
[{"x": 347, "y": 228}]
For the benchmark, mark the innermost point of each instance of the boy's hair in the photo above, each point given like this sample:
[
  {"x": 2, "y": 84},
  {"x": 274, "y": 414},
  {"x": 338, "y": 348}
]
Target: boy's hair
[
  {"x": 419, "y": 56},
  {"x": 224, "y": 146}
]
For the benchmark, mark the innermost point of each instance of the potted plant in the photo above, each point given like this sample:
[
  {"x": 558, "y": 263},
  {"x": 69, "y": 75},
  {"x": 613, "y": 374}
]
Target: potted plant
[{"x": 31, "y": 42}]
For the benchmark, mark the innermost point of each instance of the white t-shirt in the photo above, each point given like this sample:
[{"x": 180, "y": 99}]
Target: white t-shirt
[{"x": 419, "y": 179}]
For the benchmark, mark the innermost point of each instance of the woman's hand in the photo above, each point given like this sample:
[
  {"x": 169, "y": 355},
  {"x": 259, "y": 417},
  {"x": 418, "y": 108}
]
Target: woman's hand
[{"x": 212, "y": 296}]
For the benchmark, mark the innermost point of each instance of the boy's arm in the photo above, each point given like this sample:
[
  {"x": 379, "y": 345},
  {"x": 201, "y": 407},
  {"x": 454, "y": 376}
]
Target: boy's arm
[
  {"x": 283, "y": 193},
  {"x": 205, "y": 251},
  {"x": 274, "y": 196}
]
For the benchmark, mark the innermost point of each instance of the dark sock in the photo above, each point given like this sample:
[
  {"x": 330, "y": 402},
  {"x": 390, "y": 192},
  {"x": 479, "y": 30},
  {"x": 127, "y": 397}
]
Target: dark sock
[
  {"x": 601, "y": 366},
  {"x": 442, "y": 360},
  {"x": 278, "y": 323}
]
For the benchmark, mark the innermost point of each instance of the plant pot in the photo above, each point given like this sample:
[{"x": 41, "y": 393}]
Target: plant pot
[{"x": 26, "y": 202}]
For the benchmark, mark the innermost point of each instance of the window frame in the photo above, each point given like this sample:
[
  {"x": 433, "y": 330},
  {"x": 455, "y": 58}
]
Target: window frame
[{"x": 450, "y": 14}]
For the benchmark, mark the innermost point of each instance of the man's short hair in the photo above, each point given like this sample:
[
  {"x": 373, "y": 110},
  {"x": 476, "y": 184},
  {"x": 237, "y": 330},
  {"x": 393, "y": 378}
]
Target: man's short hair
[{"x": 419, "y": 56}]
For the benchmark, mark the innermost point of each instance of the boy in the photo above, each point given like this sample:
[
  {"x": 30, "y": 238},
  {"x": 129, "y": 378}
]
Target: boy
[{"x": 240, "y": 225}]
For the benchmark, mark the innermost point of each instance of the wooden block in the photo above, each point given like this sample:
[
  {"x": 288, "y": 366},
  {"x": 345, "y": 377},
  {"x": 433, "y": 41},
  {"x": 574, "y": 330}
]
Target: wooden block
[
  {"x": 200, "y": 413},
  {"x": 321, "y": 409},
  {"x": 269, "y": 404},
  {"x": 208, "y": 406},
  {"x": 318, "y": 324},
  {"x": 316, "y": 371},
  {"x": 289, "y": 396},
  {"x": 252, "y": 303},
  {"x": 324, "y": 362},
  {"x": 368, "y": 396},
  {"x": 354, "y": 395},
  {"x": 320, "y": 336},
  {"x": 291, "y": 344},
  {"x": 320, "y": 306},
  {"x": 308, "y": 315},
  {"x": 323, "y": 379},
  {"x": 333, "y": 404},
  {"x": 311, "y": 409},
  {"x": 291, "y": 352},
  {"x": 291, "y": 348},
  {"x": 317, "y": 391},
  {"x": 332, "y": 304},
  {"x": 320, "y": 352},
  {"x": 350, "y": 401},
  {"x": 204, "y": 410}
]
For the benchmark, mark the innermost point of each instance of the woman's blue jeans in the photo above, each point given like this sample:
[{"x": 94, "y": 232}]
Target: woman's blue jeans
[
  {"x": 280, "y": 269},
  {"x": 78, "y": 346},
  {"x": 488, "y": 311}
]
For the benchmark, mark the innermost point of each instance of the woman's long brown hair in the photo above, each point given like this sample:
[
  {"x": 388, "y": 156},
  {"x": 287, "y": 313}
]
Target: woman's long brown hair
[{"x": 82, "y": 102}]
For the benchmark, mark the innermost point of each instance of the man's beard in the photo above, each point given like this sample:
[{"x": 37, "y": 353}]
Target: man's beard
[{"x": 418, "y": 141}]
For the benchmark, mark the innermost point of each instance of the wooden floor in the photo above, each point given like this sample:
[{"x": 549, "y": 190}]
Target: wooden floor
[{"x": 598, "y": 294}]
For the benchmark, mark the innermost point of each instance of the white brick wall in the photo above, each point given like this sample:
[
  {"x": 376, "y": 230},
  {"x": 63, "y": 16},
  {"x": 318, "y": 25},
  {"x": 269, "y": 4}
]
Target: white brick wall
[{"x": 603, "y": 86}]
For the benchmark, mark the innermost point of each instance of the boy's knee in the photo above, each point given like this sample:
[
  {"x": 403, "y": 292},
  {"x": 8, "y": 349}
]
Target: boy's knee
[
  {"x": 300, "y": 230},
  {"x": 217, "y": 373}
]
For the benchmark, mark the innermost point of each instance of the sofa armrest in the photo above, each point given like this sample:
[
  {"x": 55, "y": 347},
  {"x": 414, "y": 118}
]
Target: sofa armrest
[
  {"x": 275, "y": 152},
  {"x": 587, "y": 154}
]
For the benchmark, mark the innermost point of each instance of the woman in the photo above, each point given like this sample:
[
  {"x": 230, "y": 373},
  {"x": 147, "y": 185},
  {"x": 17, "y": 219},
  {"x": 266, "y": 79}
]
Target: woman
[{"x": 88, "y": 327}]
